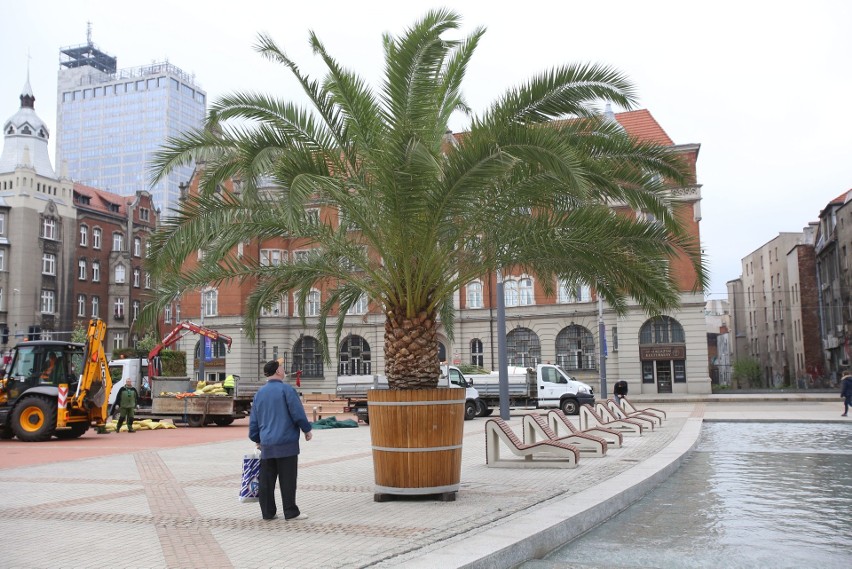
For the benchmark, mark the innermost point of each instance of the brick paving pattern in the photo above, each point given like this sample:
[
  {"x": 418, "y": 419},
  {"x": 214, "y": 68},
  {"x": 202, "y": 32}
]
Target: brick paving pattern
[{"x": 178, "y": 508}]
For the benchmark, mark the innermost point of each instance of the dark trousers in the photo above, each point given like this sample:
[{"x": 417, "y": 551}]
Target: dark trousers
[
  {"x": 126, "y": 414},
  {"x": 284, "y": 470},
  {"x": 847, "y": 402}
]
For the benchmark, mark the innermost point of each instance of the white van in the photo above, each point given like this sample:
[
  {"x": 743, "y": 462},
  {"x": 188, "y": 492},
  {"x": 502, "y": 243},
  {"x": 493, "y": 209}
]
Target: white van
[{"x": 135, "y": 369}]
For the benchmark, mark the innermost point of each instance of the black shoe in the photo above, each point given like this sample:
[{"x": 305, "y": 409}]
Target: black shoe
[
  {"x": 130, "y": 431},
  {"x": 272, "y": 518}
]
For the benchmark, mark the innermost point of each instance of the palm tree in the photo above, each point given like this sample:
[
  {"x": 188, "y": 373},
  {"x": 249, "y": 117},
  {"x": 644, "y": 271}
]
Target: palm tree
[{"x": 421, "y": 212}]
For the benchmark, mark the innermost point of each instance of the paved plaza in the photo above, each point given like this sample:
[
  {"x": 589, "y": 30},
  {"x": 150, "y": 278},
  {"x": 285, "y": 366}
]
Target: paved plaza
[{"x": 160, "y": 502}]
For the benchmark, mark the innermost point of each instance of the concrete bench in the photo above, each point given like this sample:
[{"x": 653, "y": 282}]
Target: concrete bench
[
  {"x": 645, "y": 418},
  {"x": 536, "y": 428},
  {"x": 591, "y": 417},
  {"x": 559, "y": 422},
  {"x": 629, "y": 408},
  {"x": 543, "y": 454}
]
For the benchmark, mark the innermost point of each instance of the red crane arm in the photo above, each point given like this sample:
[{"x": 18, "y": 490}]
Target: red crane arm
[{"x": 182, "y": 330}]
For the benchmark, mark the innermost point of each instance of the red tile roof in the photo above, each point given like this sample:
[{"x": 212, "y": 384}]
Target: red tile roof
[
  {"x": 643, "y": 126},
  {"x": 101, "y": 199}
]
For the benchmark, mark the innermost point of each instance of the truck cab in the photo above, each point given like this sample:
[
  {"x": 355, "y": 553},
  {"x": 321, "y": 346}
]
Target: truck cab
[{"x": 135, "y": 369}]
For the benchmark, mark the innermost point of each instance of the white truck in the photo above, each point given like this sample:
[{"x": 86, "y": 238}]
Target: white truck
[
  {"x": 545, "y": 386},
  {"x": 354, "y": 389}
]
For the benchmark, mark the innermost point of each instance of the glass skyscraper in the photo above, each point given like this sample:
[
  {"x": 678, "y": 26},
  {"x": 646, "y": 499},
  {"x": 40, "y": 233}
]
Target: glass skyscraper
[{"x": 110, "y": 122}]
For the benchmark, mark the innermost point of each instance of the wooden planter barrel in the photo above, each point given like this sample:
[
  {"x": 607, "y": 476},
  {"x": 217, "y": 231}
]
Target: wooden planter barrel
[{"x": 417, "y": 441}]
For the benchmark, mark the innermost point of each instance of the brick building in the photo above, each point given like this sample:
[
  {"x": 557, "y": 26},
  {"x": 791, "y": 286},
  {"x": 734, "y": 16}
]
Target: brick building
[{"x": 109, "y": 279}]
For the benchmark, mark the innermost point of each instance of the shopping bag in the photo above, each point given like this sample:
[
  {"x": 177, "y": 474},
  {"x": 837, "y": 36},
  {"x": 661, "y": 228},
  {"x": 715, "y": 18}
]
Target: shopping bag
[{"x": 250, "y": 486}]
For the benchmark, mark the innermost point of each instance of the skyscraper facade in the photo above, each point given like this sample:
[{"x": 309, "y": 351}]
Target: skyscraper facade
[{"x": 110, "y": 121}]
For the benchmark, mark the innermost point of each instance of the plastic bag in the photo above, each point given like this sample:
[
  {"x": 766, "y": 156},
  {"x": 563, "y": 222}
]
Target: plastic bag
[{"x": 250, "y": 486}]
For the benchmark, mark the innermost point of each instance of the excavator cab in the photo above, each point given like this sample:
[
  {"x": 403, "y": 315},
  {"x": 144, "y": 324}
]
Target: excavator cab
[{"x": 43, "y": 364}]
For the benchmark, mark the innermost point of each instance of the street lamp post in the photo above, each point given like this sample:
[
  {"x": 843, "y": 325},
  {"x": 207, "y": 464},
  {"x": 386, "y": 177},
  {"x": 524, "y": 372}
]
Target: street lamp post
[
  {"x": 602, "y": 342},
  {"x": 502, "y": 358}
]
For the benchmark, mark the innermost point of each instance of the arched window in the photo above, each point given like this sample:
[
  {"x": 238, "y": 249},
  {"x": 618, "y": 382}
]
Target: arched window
[
  {"x": 477, "y": 355},
  {"x": 474, "y": 295},
  {"x": 575, "y": 348},
  {"x": 354, "y": 357},
  {"x": 525, "y": 292},
  {"x": 314, "y": 303},
  {"x": 510, "y": 293},
  {"x": 307, "y": 356},
  {"x": 523, "y": 348},
  {"x": 662, "y": 330}
]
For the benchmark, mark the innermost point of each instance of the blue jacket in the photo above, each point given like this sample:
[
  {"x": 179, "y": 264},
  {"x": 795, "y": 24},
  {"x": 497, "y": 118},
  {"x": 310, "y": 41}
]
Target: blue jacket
[
  {"x": 846, "y": 387},
  {"x": 277, "y": 420}
]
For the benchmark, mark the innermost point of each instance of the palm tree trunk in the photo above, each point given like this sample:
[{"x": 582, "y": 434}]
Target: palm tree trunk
[{"x": 411, "y": 351}]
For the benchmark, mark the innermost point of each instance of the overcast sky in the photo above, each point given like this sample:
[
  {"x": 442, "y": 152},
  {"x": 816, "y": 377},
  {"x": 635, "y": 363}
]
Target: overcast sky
[{"x": 763, "y": 87}]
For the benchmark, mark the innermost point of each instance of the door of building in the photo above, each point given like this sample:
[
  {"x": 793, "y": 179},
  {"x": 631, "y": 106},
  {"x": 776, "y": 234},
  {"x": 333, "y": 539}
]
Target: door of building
[{"x": 664, "y": 376}]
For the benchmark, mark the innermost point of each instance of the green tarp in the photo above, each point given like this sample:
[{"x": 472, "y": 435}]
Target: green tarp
[{"x": 333, "y": 423}]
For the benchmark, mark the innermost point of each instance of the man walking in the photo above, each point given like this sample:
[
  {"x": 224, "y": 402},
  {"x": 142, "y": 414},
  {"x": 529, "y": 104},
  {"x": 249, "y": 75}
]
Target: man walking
[
  {"x": 276, "y": 421},
  {"x": 126, "y": 400},
  {"x": 846, "y": 393}
]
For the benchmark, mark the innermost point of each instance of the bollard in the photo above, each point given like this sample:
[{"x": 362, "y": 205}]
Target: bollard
[
  {"x": 315, "y": 413},
  {"x": 320, "y": 411}
]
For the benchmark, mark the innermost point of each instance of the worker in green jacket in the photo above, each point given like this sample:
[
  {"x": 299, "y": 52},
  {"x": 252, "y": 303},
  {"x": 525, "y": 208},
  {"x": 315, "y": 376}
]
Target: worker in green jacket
[
  {"x": 228, "y": 384},
  {"x": 126, "y": 400}
]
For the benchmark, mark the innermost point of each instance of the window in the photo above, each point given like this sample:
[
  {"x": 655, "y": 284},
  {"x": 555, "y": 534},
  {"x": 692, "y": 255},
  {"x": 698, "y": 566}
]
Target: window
[
  {"x": 84, "y": 236},
  {"x": 474, "y": 295},
  {"x": 167, "y": 314},
  {"x": 96, "y": 271},
  {"x": 119, "y": 308},
  {"x": 314, "y": 303},
  {"x": 120, "y": 274},
  {"x": 525, "y": 292},
  {"x": 136, "y": 274},
  {"x": 96, "y": 238},
  {"x": 48, "y": 302},
  {"x": 477, "y": 355},
  {"x": 360, "y": 307},
  {"x": 2, "y": 259},
  {"x": 137, "y": 247},
  {"x": 2, "y": 223},
  {"x": 144, "y": 213},
  {"x": 48, "y": 228},
  {"x": 147, "y": 280},
  {"x": 210, "y": 302},
  {"x": 81, "y": 269},
  {"x": 523, "y": 347},
  {"x": 307, "y": 356},
  {"x": 272, "y": 257},
  {"x": 117, "y": 242},
  {"x": 510, "y": 293},
  {"x": 96, "y": 307},
  {"x": 136, "y": 307},
  {"x": 48, "y": 264},
  {"x": 313, "y": 216},
  {"x": 300, "y": 256},
  {"x": 273, "y": 309},
  {"x": 575, "y": 348},
  {"x": 662, "y": 330},
  {"x": 118, "y": 341},
  {"x": 81, "y": 305},
  {"x": 355, "y": 356}
]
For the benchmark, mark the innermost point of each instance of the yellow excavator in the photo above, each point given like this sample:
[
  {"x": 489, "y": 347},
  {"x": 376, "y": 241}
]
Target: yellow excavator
[{"x": 53, "y": 388}]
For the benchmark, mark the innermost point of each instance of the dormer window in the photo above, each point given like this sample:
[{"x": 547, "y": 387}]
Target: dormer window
[{"x": 26, "y": 130}]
